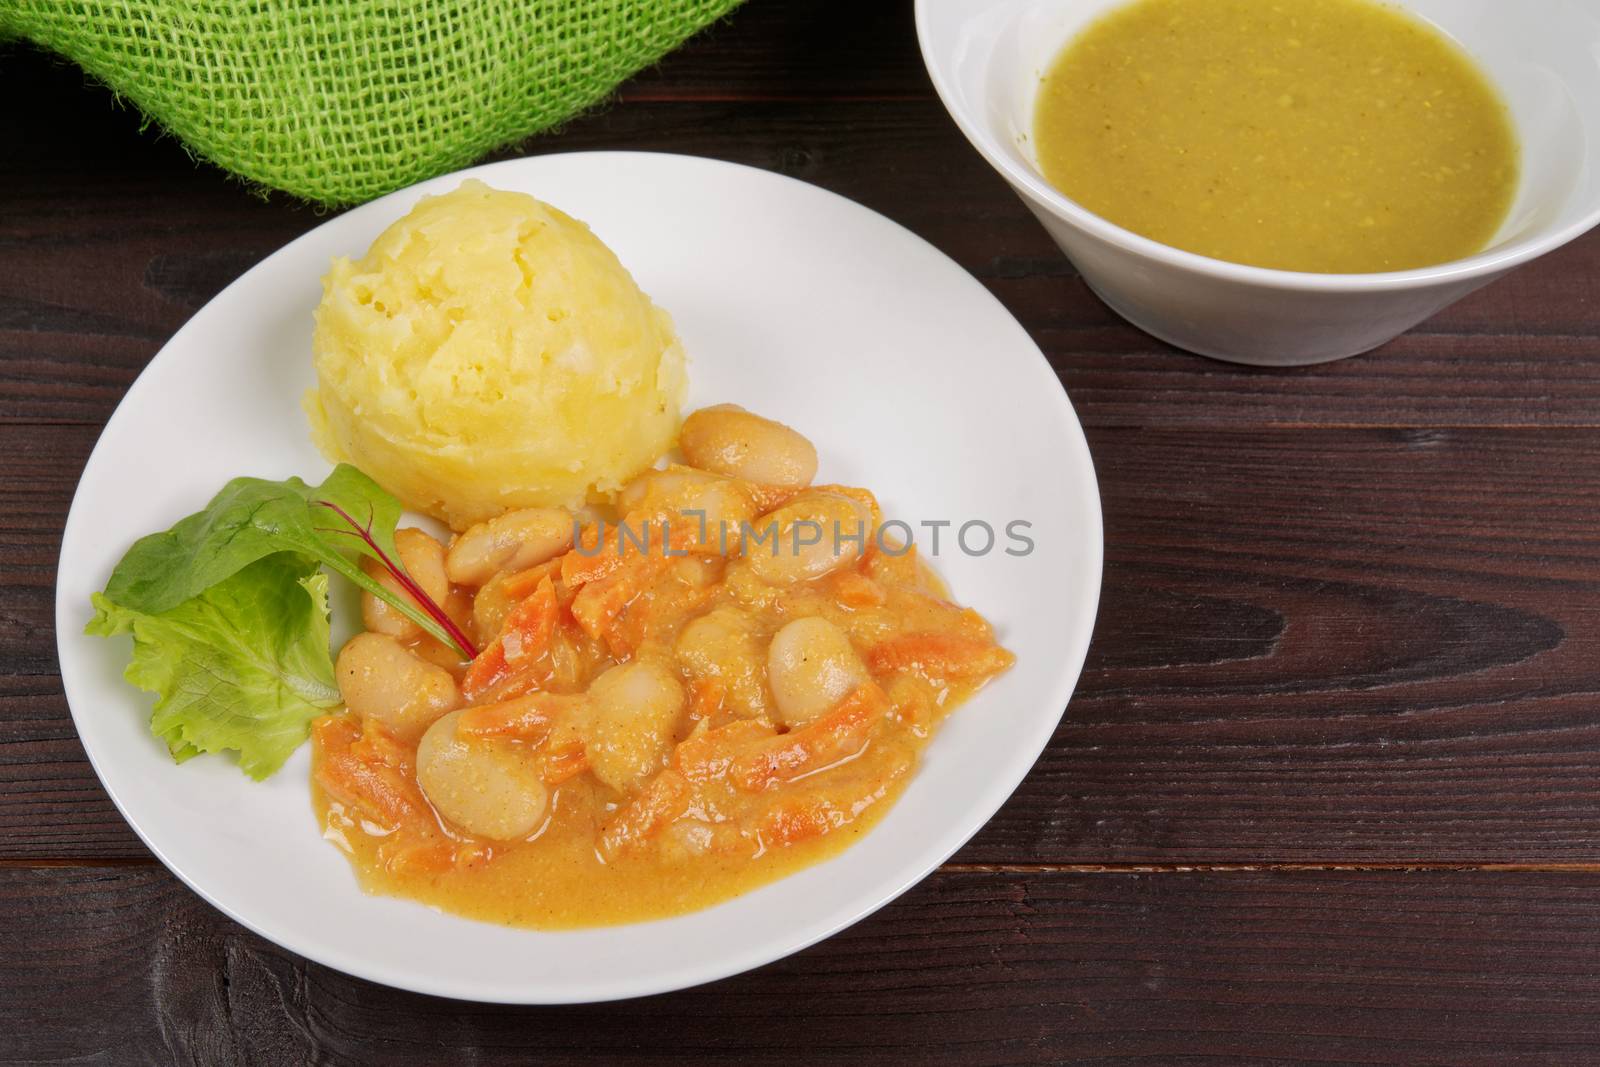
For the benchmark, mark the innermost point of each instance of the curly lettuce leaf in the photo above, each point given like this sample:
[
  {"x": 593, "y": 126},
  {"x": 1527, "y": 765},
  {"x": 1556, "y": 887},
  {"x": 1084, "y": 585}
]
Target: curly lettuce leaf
[
  {"x": 243, "y": 665},
  {"x": 252, "y": 518}
]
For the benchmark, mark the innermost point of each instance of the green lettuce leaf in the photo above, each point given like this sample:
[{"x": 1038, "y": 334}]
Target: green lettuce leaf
[
  {"x": 252, "y": 518},
  {"x": 242, "y": 666}
]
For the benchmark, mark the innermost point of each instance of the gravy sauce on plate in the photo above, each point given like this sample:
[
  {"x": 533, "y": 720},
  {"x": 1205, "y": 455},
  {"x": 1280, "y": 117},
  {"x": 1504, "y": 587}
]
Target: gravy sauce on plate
[{"x": 733, "y": 680}]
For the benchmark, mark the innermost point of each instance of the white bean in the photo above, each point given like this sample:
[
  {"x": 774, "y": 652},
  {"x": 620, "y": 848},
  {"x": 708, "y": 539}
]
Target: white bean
[
  {"x": 811, "y": 667},
  {"x": 379, "y": 679},
  {"x": 707, "y": 505},
  {"x": 514, "y": 541},
  {"x": 723, "y": 644},
  {"x": 654, "y": 489},
  {"x": 488, "y": 788},
  {"x": 729, "y": 440},
  {"x": 635, "y": 711},
  {"x": 816, "y": 533},
  {"x": 700, "y": 572},
  {"x": 423, "y": 559}
]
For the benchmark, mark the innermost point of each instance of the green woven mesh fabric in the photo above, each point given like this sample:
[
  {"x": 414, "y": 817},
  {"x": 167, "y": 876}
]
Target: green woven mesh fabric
[{"x": 341, "y": 100}]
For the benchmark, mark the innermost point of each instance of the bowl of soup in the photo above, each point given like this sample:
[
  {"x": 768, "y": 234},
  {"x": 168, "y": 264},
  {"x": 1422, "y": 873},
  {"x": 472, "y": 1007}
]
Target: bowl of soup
[{"x": 1275, "y": 183}]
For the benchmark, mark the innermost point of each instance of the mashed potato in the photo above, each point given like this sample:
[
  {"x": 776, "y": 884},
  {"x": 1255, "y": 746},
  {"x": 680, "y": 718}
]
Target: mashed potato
[{"x": 491, "y": 353}]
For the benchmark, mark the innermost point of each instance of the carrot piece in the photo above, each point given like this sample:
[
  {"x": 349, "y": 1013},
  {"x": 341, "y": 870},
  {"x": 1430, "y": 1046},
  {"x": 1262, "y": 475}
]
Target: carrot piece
[
  {"x": 378, "y": 746},
  {"x": 830, "y": 738},
  {"x": 791, "y": 823},
  {"x": 335, "y": 731},
  {"x": 599, "y": 602},
  {"x": 798, "y": 814},
  {"x": 518, "y": 685},
  {"x": 852, "y": 589},
  {"x": 662, "y": 801},
  {"x": 421, "y": 855},
  {"x": 525, "y": 718},
  {"x": 523, "y": 639},
  {"x": 707, "y": 756},
  {"x": 624, "y": 631},
  {"x": 567, "y": 761},
  {"x": 599, "y": 555},
  {"x": 531, "y": 624},
  {"x": 589, "y": 559},
  {"x": 706, "y": 698},
  {"x": 939, "y": 656},
  {"x": 360, "y": 765},
  {"x": 526, "y": 583},
  {"x": 379, "y": 792}
]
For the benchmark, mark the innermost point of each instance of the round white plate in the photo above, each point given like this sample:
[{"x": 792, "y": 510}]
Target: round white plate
[{"x": 911, "y": 379}]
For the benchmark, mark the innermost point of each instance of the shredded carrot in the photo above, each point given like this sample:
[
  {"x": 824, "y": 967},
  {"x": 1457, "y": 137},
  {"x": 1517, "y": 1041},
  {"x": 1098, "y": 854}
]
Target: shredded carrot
[
  {"x": 526, "y": 583},
  {"x": 589, "y": 560},
  {"x": 852, "y": 589},
  {"x": 706, "y": 698},
  {"x": 663, "y": 800},
  {"x": 523, "y": 639},
  {"x": 707, "y": 756},
  {"x": 787, "y": 824},
  {"x": 565, "y": 762},
  {"x": 526, "y": 718},
  {"x": 647, "y": 536},
  {"x": 377, "y": 791},
  {"x": 335, "y": 731},
  {"x": 409, "y": 853},
  {"x": 599, "y": 602},
  {"x": 939, "y": 656},
  {"x": 377, "y": 745},
  {"x": 835, "y": 735},
  {"x": 626, "y": 630}
]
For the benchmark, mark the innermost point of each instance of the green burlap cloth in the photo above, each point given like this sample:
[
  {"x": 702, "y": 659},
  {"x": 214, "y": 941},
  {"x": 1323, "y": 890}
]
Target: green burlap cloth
[{"x": 338, "y": 101}]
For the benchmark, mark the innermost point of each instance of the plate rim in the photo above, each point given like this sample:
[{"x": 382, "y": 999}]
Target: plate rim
[{"x": 737, "y": 960}]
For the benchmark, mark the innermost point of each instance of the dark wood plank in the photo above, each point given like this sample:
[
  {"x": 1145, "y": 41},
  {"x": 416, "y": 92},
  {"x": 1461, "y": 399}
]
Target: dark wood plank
[
  {"x": 87, "y": 296},
  {"x": 767, "y": 50},
  {"x": 1335, "y": 645},
  {"x": 118, "y": 966},
  {"x": 1371, "y": 646}
]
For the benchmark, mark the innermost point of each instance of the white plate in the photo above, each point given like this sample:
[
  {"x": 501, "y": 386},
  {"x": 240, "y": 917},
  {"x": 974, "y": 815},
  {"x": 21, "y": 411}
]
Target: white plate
[{"x": 911, "y": 379}]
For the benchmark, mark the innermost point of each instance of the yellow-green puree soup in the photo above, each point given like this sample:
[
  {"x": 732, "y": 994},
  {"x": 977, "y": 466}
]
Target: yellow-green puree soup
[{"x": 1315, "y": 135}]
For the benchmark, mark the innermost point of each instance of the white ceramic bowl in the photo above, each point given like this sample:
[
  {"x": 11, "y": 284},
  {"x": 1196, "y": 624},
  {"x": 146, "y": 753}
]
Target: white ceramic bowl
[{"x": 986, "y": 58}]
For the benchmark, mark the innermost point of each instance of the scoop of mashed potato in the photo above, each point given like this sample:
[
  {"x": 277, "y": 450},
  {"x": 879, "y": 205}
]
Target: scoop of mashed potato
[{"x": 489, "y": 352}]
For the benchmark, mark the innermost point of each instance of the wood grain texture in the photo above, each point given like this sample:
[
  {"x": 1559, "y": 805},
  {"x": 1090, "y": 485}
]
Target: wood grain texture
[
  {"x": 820, "y": 50},
  {"x": 121, "y": 967},
  {"x": 1525, "y": 351},
  {"x": 1349, "y": 619},
  {"x": 1314, "y": 646}
]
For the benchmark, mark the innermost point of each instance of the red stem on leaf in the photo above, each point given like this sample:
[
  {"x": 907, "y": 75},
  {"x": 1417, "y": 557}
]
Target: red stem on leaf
[{"x": 424, "y": 601}]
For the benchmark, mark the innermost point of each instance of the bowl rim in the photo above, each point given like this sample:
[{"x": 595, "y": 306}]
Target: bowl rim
[{"x": 1484, "y": 265}]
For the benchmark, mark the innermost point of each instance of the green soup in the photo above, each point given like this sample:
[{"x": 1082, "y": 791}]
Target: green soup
[{"x": 1337, "y": 136}]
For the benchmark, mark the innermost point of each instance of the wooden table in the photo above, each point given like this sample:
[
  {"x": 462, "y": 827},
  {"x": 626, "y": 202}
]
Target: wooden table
[{"x": 1329, "y": 790}]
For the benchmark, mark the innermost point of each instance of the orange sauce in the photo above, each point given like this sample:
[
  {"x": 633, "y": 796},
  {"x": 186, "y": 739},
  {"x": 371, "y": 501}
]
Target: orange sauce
[{"x": 738, "y": 811}]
